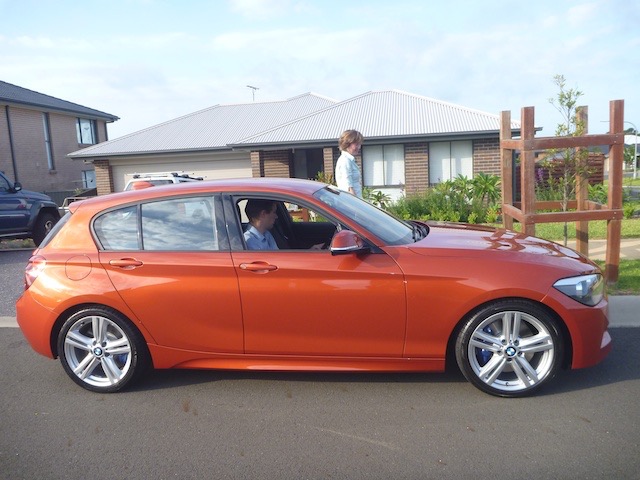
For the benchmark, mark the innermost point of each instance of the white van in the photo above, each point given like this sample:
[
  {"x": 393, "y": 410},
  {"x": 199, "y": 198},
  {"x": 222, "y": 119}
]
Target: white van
[{"x": 143, "y": 180}]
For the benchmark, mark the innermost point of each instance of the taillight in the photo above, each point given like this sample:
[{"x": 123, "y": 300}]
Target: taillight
[{"x": 34, "y": 268}]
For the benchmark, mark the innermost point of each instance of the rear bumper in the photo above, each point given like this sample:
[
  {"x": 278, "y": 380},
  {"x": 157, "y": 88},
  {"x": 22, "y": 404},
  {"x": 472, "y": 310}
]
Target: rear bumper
[{"x": 36, "y": 323}]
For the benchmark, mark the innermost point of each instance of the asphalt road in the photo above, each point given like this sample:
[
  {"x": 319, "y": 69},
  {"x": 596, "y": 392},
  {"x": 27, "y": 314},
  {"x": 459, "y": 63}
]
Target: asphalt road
[
  {"x": 204, "y": 424},
  {"x": 12, "y": 263}
]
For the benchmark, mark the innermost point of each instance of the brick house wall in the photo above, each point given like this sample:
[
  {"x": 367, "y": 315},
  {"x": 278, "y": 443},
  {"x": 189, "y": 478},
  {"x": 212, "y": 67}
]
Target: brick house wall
[
  {"x": 416, "y": 167},
  {"x": 104, "y": 178},
  {"x": 6, "y": 165},
  {"x": 27, "y": 140},
  {"x": 329, "y": 161},
  {"x": 30, "y": 153},
  {"x": 277, "y": 163},
  {"x": 256, "y": 164},
  {"x": 486, "y": 156}
]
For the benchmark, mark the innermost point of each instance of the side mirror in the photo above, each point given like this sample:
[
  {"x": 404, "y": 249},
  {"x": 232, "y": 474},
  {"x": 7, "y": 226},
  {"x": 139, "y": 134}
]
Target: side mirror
[
  {"x": 346, "y": 241},
  {"x": 17, "y": 186}
]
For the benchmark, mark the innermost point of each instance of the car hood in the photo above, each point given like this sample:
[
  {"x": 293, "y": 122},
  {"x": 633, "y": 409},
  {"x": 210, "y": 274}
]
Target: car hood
[
  {"x": 31, "y": 195},
  {"x": 457, "y": 239}
]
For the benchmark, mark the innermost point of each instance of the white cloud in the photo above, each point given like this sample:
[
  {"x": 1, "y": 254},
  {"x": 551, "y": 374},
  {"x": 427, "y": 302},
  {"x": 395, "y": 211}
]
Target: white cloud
[
  {"x": 581, "y": 14},
  {"x": 261, "y": 8}
]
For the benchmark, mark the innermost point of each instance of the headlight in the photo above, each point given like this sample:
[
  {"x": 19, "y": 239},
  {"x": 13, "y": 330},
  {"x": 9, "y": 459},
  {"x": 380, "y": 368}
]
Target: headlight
[{"x": 586, "y": 289}]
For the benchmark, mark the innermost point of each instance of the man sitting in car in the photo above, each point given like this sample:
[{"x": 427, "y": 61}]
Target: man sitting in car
[{"x": 262, "y": 216}]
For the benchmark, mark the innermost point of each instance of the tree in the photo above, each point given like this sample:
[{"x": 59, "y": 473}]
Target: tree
[{"x": 570, "y": 161}]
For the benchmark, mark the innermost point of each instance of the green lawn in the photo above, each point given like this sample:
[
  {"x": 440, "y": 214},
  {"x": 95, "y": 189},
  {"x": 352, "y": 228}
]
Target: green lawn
[
  {"x": 627, "y": 182},
  {"x": 597, "y": 229},
  {"x": 628, "y": 278}
]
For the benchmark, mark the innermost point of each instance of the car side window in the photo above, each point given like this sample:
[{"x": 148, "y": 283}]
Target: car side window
[
  {"x": 179, "y": 224},
  {"x": 296, "y": 227},
  {"x": 184, "y": 224},
  {"x": 5, "y": 185},
  {"x": 118, "y": 229}
]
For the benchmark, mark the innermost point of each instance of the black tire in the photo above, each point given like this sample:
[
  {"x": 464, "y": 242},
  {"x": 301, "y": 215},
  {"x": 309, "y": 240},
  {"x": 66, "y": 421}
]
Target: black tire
[
  {"x": 507, "y": 363},
  {"x": 44, "y": 224},
  {"x": 101, "y": 351}
]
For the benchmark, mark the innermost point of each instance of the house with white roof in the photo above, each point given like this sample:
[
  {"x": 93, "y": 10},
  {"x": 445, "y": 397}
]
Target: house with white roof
[{"x": 411, "y": 142}]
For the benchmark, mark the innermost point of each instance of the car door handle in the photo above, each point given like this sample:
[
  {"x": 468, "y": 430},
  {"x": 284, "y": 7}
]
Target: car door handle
[
  {"x": 125, "y": 263},
  {"x": 258, "y": 267}
]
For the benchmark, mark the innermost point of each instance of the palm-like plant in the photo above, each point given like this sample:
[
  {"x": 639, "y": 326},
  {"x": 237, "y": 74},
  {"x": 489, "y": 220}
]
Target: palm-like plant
[{"x": 487, "y": 188}]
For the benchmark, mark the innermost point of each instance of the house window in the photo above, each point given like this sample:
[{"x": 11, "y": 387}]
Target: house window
[
  {"x": 86, "y": 130},
  {"x": 88, "y": 179},
  {"x": 383, "y": 165},
  {"x": 47, "y": 141},
  {"x": 447, "y": 160}
]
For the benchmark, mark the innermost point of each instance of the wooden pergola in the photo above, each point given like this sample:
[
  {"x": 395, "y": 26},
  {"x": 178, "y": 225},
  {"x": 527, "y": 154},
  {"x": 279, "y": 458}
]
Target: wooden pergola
[{"x": 581, "y": 210}]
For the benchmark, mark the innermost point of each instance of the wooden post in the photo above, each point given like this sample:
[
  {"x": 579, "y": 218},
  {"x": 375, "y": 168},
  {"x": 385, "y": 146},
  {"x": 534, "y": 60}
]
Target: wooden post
[
  {"x": 506, "y": 160},
  {"x": 616, "y": 160},
  {"x": 528, "y": 172},
  {"x": 582, "y": 185}
]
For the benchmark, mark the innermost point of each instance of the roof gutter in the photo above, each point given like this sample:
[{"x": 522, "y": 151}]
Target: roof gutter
[
  {"x": 90, "y": 157},
  {"x": 368, "y": 140}
]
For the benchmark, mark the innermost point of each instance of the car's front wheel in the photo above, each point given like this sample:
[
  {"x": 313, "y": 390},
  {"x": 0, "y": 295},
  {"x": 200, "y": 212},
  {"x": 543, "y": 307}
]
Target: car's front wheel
[
  {"x": 509, "y": 348},
  {"x": 101, "y": 351},
  {"x": 44, "y": 224}
]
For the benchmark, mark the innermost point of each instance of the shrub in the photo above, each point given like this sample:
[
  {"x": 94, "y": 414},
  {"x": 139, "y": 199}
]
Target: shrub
[
  {"x": 458, "y": 200},
  {"x": 628, "y": 210},
  {"x": 598, "y": 193}
]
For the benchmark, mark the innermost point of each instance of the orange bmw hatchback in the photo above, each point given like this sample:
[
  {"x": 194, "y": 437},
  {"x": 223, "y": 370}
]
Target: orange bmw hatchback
[{"x": 284, "y": 274}]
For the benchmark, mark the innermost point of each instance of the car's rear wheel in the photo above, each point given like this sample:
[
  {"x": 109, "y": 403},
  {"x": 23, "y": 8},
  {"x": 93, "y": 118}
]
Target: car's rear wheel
[
  {"x": 101, "y": 351},
  {"x": 509, "y": 348}
]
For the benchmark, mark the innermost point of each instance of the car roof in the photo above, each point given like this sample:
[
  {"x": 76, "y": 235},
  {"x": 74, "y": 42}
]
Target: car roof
[{"x": 245, "y": 185}]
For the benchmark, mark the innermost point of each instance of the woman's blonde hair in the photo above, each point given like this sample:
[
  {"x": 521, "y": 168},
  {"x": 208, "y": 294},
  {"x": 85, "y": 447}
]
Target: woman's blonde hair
[{"x": 348, "y": 137}]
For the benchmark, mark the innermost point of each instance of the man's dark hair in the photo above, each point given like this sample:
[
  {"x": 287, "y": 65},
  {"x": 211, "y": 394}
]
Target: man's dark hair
[{"x": 255, "y": 206}]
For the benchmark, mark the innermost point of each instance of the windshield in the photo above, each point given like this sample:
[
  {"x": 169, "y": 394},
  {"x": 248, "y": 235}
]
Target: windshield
[{"x": 383, "y": 225}]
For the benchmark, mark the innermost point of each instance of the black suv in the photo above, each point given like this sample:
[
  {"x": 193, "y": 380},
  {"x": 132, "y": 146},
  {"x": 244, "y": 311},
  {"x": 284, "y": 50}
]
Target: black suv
[{"x": 25, "y": 214}]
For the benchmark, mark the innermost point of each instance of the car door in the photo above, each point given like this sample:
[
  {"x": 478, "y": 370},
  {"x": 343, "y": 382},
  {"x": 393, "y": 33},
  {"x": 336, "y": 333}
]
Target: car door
[
  {"x": 14, "y": 209},
  {"x": 309, "y": 302},
  {"x": 177, "y": 276}
]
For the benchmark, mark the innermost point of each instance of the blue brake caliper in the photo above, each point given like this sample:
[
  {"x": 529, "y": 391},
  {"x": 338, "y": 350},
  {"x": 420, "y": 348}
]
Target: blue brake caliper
[{"x": 483, "y": 355}]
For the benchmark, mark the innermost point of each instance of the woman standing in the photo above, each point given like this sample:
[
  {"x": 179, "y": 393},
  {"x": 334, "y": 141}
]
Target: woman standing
[{"x": 348, "y": 176}]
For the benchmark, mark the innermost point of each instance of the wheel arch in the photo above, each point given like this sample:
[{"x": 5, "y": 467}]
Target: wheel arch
[
  {"x": 450, "y": 358},
  {"x": 57, "y": 326},
  {"x": 44, "y": 209}
]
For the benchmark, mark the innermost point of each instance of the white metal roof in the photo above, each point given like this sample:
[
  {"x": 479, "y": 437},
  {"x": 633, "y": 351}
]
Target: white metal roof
[
  {"x": 209, "y": 129},
  {"x": 308, "y": 118},
  {"x": 379, "y": 115}
]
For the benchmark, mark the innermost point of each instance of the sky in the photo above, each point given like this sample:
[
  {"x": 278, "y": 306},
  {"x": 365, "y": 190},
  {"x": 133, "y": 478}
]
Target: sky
[{"x": 150, "y": 61}]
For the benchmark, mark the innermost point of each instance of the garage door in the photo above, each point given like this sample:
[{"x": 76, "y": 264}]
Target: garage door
[{"x": 230, "y": 166}]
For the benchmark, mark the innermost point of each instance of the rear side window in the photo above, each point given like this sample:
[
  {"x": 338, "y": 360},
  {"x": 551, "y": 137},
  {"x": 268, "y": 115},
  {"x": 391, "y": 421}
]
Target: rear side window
[
  {"x": 118, "y": 229},
  {"x": 183, "y": 224}
]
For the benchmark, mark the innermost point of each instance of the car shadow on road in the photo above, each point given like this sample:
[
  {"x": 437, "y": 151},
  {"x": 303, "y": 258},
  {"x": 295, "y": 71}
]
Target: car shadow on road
[
  {"x": 163, "y": 379},
  {"x": 619, "y": 366}
]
